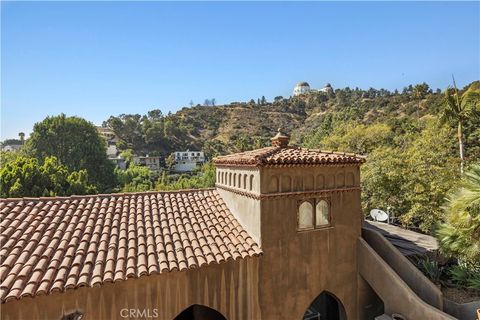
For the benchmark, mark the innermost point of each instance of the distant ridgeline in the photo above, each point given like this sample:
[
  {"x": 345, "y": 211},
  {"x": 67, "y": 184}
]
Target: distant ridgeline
[{"x": 241, "y": 126}]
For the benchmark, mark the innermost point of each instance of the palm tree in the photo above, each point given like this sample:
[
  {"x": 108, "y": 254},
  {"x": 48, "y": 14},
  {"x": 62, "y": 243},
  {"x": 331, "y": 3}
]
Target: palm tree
[
  {"x": 460, "y": 234},
  {"x": 459, "y": 109},
  {"x": 22, "y": 136}
]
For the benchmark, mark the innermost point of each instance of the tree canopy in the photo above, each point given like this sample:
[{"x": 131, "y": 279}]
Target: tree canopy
[
  {"x": 23, "y": 176},
  {"x": 76, "y": 144}
]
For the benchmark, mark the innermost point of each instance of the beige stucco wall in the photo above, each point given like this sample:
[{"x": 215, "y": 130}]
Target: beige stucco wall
[
  {"x": 246, "y": 210},
  {"x": 411, "y": 275},
  {"x": 231, "y": 288},
  {"x": 396, "y": 295},
  {"x": 308, "y": 178},
  {"x": 298, "y": 265}
]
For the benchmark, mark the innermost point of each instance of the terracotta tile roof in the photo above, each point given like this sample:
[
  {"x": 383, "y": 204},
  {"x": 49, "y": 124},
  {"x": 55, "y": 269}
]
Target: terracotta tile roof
[
  {"x": 281, "y": 156},
  {"x": 54, "y": 244}
]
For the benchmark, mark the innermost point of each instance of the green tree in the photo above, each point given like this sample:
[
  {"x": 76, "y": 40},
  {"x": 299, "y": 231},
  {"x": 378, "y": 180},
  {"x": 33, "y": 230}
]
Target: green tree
[
  {"x": 204, "y": 179},
  {"x": 382, "y": 180},
  {"x": 412, "y": 174},
  {"x": 420, "y": 91},
  {"x": 170, "y": 161},
  {"x": 23, "y": 177},
  {"x": 22, "y": 137},
  {"x": 242, "y": 143},
  {"x": 76, "y": 144},
  {"x": 135, "y": 178},
  {"x": 357, "y": 138},
  {"x": 459, "y": 235},
  {"x": 129, "y": 129},
  {"x": 128, "y": 156},
  {"x": 458, "y": 110},
  {"x": 430, "y": 171}
]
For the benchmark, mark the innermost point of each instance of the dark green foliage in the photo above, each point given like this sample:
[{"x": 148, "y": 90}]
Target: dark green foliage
[
  {"x": 76, "y": 144},
  {"x": 431, "y": 269},
  {"x": 135, "y": 178},
  {"x": 22, "y": 177},
  {"x": 459, "y": 235},
  {"x": 203, "y": 179},
  {"x": 464, "y": 276},
  {"x": 11, "y": 142}
]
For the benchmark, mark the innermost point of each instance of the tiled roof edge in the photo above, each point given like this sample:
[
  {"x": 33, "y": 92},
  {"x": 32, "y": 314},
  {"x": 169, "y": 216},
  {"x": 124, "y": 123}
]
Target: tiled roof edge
[
  {"x": 10, "y": 298},
  {"x": 104, "y": 195}
]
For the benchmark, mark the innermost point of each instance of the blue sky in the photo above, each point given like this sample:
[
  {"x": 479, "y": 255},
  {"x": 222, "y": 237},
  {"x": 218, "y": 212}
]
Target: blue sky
[{"x": 96, "y": 59}]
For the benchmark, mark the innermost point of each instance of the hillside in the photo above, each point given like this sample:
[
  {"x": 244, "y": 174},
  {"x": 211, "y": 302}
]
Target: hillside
[{"x": 241, "y": 126}]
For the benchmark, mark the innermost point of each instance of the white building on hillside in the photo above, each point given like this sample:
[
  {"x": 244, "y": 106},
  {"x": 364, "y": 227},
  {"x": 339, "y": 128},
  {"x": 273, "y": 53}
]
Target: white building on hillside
[
  {"x": 107, "y": 134},
  {"x": 304, "y": 87},
  {"x": 11, "y": 147},
  {"x": 152, "y": 162},
  {"x": 188, "y": 160},
  {"x": 301, "y": 88}
]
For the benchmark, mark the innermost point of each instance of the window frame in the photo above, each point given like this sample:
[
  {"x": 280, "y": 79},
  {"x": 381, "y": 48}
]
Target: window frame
[{"x": 314, "y": 202}]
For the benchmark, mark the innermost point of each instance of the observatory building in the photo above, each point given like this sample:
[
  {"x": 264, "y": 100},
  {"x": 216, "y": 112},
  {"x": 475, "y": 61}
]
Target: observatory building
[
  {"x": 279, "y": 237},
  {"x": 328, "y": 88},
  {"x": 304, "y": 87},
  {"x": 301, "y": 88}
]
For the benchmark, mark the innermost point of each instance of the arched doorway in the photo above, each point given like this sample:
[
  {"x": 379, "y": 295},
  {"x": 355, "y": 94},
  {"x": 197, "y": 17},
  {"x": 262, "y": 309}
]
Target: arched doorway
[
  {"x": 199, "y": 312},
  {"x": 325, "y": 307}
]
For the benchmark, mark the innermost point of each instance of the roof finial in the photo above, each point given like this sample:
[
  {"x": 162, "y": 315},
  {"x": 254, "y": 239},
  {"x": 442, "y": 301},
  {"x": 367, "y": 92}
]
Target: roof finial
[{"x": 280, "y": 140}]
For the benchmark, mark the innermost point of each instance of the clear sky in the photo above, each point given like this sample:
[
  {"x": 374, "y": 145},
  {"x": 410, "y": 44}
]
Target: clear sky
[{"x": 96, "y": 59}]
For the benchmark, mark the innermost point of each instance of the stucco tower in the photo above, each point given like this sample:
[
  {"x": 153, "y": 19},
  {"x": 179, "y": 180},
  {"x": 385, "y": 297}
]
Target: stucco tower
[{"x": 303, "y": 208}]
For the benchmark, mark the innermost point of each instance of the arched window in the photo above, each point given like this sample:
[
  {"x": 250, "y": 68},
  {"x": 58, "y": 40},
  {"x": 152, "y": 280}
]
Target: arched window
[
  {"x": 239, "y": 180},
  {"x": 305, "y": 215},
  {"x": 230, "y": 179},
  {"x": 234, "y": 179},
  {"x": 313, "y": 214},
  {"x": 322, "y": 214},
  {"x": 245, "y": 181},
  {"x": 251, "y": 182}
]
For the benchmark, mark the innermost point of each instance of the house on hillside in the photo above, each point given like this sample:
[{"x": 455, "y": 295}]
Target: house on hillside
[
  {"x": 11, "y": 147},
  {"x": 107, "y": 134},
  {"x": 119, "y": 162},
  {"x": 186, "y": 161},
  {"x": 112, "y": 151},
  {"x": 152, "y": 162},
  {"x": 279, "y": 237}
]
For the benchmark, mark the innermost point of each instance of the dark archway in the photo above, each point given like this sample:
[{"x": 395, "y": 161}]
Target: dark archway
[
  {"x": 325, "y": 307},
  {"x": 199, "y": 312}
]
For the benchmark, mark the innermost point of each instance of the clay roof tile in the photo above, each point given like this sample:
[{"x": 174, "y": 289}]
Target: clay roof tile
[
  {"x": 279, "y": 156},
  {"x": 54, "y": 244}
]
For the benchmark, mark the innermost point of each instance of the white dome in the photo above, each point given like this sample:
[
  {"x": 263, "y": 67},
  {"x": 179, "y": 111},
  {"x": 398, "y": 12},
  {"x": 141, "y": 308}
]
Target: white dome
[{"x": 301, "y": 88}]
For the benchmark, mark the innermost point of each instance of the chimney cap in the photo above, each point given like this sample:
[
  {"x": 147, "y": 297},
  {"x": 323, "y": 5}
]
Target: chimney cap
[{"x": 281, "y": 139}]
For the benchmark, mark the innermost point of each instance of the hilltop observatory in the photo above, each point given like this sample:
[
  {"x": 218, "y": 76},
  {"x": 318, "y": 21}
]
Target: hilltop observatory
[{"x": 304, "y": 88}]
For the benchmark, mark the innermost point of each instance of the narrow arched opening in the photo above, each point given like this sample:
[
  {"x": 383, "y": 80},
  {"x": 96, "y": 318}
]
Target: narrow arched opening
[
  {"x": 326, "y": 307},
  {"x": 199, "y": 312}
]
